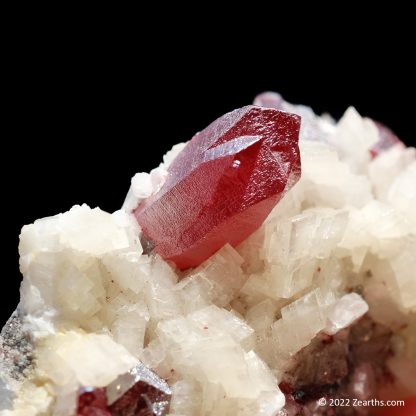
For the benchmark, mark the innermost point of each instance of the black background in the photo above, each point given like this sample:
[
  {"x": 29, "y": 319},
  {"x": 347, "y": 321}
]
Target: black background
[{"x": 83, "y": 114}]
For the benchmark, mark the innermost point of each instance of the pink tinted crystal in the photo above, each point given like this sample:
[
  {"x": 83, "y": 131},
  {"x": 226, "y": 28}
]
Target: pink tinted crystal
[
  {"x": 270, "y": 99},
  {"x": 387, "y": 139},
  {"x": 313, "y": 127},
  {"x": 223, "y": 184}
]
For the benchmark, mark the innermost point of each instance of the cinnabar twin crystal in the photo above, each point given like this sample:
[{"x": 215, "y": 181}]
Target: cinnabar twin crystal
[{"x": 223, "y": 185}]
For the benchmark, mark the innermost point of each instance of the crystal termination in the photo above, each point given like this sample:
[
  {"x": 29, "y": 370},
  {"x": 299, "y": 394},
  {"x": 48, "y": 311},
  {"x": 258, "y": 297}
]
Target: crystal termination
[{"x": 223, "y": 184}]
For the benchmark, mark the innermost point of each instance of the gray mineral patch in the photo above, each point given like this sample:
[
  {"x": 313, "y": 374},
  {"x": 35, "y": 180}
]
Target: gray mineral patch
[
  {"x": 16, "y": 349},
  {"x": 6, "y": 395}
]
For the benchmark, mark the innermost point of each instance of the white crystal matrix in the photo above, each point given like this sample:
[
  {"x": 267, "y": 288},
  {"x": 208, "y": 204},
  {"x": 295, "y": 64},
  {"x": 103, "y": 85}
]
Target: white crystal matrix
[{"x": 223, "y": 334}]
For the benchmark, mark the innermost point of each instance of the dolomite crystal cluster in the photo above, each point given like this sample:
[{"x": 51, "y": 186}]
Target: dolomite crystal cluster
[{"x": 228, "y": 283}]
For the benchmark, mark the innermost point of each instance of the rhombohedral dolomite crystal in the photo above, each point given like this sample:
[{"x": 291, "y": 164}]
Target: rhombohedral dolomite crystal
[{"x": 232, "y": 282}]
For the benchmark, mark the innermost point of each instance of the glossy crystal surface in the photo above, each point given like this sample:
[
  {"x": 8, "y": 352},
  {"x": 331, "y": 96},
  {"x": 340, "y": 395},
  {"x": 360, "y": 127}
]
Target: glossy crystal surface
[
  {"x": 140, "y": 392},
  {"x": 222, "y": 186}
]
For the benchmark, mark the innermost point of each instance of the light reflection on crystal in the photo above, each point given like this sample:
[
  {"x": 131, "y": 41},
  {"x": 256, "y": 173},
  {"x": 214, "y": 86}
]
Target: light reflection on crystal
[{"x": 223, "y": 184}]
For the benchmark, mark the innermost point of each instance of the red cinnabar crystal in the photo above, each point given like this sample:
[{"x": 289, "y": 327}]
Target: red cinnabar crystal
[
  {"x": 140, "y": 392},
  {"x": 223, "y": 184},
  {"x": 92, "y": 402}
]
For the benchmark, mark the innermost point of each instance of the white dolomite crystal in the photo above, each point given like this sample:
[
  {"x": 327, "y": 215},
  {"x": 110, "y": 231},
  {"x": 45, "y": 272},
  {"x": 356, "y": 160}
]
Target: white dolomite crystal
[
  {"x": 76, "y": 359},
  {"x": 354, "y": 137},
  {"x": 344, "y": 312},
  {"x": 145, "y": 184},
  {"x": 340, "y": 244}
]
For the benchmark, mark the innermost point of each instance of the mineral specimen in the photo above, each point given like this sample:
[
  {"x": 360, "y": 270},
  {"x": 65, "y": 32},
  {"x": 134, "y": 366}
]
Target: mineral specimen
[
  {"x": 136, "y": 393},
  {"x": 312, "y": 127},
  {"x": 320, "y": 300},
  {"x": 223, "y": 184},
  {"x": 321, "y": 128}
]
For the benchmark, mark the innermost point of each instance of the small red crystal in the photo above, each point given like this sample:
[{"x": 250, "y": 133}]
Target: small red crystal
[
  {"x": 140, "y": 392},
  {"x": 92, "y": 402},
  {"x": 223, "y": 184},
  {"x": 142, "y": 399}
]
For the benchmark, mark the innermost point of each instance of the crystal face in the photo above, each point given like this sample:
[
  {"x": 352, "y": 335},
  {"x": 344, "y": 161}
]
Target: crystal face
[
  {"x": 223, "y": 184},
  {"x": 141, "y": 400},
  {"x": 140, "y": 392},
  {"x": 387, "y": 139},
  {"x": 92, "y": 402},
  {"x": 320, "y": 300}
]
